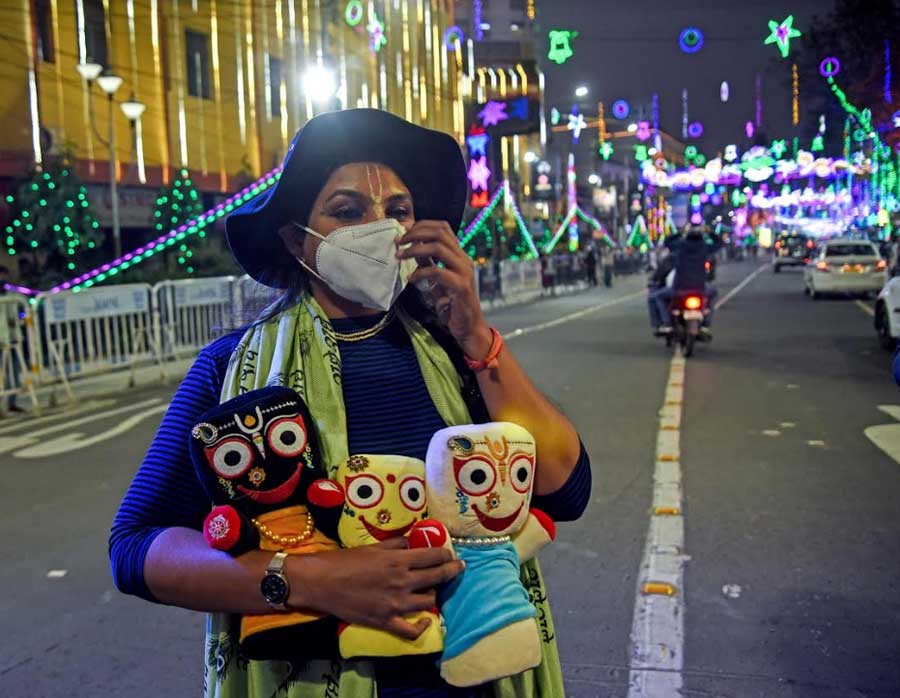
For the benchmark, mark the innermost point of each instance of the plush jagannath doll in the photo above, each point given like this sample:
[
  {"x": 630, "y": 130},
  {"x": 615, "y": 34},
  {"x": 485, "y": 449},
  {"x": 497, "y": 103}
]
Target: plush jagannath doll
[
  {"x": 256, "y": 455},
  {"x": 479, "y": 480},
  {"x": 383, "y": 497}
]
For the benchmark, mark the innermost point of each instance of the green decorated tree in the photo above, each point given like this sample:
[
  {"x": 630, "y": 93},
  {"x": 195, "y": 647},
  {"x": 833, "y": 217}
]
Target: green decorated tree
[
  {"x": 175, "y": 205},
  {"x": 52, "y": 231}
]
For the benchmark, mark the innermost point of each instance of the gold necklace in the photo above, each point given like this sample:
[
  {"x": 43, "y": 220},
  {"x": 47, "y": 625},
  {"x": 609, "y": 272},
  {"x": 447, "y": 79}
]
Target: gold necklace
[
  {"x": 365, "y": 334},
  {"x": 286, "y": 541}
]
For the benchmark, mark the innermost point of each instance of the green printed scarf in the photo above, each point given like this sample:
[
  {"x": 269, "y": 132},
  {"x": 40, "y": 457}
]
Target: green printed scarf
[{"x": 298, "y": 348}]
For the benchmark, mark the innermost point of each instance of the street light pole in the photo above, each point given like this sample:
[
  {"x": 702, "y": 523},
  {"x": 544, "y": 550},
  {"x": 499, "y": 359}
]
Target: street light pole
[{"x": 113, "y": 182}]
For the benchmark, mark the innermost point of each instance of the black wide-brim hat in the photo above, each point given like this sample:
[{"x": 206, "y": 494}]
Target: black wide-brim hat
[{"x": 430, "y": 163}]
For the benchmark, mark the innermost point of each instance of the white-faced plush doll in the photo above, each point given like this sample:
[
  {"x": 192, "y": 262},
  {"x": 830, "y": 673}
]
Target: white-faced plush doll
[
  {"x": 478, "y": 480},
  {"x": 381, "y": 497}
]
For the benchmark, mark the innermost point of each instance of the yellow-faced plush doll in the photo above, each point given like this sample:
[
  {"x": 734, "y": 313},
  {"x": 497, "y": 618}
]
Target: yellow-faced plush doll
[
  {"x": 383, "y": 497},
  {"x": 256, "y": 455},
  {"x": 479, "y": 479}
]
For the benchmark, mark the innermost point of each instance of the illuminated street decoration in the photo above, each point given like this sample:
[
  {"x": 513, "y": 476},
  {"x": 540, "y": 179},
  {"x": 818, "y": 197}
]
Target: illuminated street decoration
[
  {"x": 555, "y": 116},
  {"x": 887, "y": 72},
  {"x": 695, "y": 129},
  {"x": 375, "y": 27},
  {"x": 601, "y": 125},
  {"x": 684, "y": 112},
  {"x": 560, "y": 45},
  {"x": 690, "y": 152},
  {"x": 749, "y": 129},
  {"x": 731, "y": 153},
  {"x": 781, "y": 34},
  {"x": 478, "y": 19},
  {"x": 724, "y": 91},
  {"x": 477, "y": 144},
  {"x": 576, "y": 125},
  {"x": 621, "y": 109},
  {"x": 606, "y": 150},
  {"x": 795, "y": 102},
  {"x": 354, "y": 13},
  {"x": 519, "y": 109},
  {"x": 640, "y": 153},
  {"x": 778, "y": 148},
  {"x": 493, "y": 113},
  {"x": 895, "y": 119},
  {"x": 758, "y": 101},
  {"x": 829, "y": 67},
  {"x": 452, "y": 37},
  {"x": 643, "y": 131},
  {"x": 818, "y": 144},
  {"x": 690, "y": 40},
  {"x": 821, "y": 123},
  {"x": 479, "y": 173}
]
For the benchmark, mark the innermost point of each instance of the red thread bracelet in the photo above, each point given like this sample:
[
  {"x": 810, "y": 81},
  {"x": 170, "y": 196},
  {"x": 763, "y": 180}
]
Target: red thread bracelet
[{"x": 490, "y": 361}]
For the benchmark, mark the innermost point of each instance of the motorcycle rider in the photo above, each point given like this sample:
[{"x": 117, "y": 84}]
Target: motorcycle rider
[
  {"x": 659, "y": 293},
  {"x": 691, "y": 253}
]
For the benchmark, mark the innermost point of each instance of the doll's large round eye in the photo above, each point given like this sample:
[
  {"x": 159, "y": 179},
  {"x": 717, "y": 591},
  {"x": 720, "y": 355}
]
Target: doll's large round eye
[
  {"x": 520, "y": 472},
  {"x": 232, "y": 458},
  {"x": 412, "y": 493},
  {"x": 287, "y": 437},
  {"x": 476, "y": 477},
  {"x": 364, "y": 491}
]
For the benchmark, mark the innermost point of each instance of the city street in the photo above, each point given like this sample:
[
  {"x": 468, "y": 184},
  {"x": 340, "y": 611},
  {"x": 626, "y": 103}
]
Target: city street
[{"x": 791, "y": 523}]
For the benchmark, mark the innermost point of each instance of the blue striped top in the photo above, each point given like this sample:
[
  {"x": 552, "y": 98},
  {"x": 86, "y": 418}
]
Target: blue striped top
[{"x": 388, "y": 411}]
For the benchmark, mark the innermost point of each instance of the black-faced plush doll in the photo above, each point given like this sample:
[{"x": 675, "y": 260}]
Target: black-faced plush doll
[{"x": 256, "y": 455}]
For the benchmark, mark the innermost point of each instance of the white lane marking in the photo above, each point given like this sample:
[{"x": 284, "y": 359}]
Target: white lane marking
[
  {"x": 56, "y": 574},
  {"x": 867, "y": 309},
  {"x": 732, "y": 591},
  {"x": 740, "y": 287},
  {"x": 27, "y": 423},
  {"x": 522, "y": 331},
  {"x": 887, "y": 436},
  {"x": 657, "y": 631},
  {"x": 11, "y": 443},
  {"x": 75, "y": 441}
]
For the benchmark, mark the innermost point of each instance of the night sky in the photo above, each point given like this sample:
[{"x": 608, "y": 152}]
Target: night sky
[{"x": 629, "y": 50}]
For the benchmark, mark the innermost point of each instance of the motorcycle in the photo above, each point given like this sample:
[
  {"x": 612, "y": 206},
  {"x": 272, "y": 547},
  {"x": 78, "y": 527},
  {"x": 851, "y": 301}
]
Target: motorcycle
[{"x": 688, "y": 311}]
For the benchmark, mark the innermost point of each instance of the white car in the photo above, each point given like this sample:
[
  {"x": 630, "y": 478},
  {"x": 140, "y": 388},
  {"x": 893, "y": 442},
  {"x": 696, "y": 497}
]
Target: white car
[
  {"x": 843, "y": 265},
  {"x": 887, "y": 314}
]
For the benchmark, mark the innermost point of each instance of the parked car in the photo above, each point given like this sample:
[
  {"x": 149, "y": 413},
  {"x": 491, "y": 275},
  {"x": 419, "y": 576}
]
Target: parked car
[
  {"x": 887, "y": 314},
  {"x": 843, "y": 265}
]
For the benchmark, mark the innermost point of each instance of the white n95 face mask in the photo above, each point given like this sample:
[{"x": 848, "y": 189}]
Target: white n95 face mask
[{"x": 359, "y": 262}]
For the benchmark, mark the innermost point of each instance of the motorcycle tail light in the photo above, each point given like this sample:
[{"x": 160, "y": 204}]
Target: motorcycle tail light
[{"x": 693, "y": 302}]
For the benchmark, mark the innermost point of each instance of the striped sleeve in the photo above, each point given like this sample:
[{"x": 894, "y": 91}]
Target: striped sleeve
[
  {"x": 165, "y": 491},
  {"x": 569, "y": 501}
]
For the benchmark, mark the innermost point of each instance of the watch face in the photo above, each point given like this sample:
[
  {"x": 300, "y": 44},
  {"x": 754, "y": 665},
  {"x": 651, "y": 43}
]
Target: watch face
[{"x": 274, "y": 588}]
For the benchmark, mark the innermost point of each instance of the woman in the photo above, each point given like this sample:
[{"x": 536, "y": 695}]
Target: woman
[{"x": 380, "y": 372}]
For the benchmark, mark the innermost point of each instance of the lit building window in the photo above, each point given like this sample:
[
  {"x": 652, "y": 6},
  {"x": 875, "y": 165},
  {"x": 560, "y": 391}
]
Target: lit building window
[{"x": 197, "y": 54}]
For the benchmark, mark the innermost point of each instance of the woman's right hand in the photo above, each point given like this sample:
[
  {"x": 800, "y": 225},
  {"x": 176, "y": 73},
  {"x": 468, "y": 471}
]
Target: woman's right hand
[{"x": 372, "y": 585}]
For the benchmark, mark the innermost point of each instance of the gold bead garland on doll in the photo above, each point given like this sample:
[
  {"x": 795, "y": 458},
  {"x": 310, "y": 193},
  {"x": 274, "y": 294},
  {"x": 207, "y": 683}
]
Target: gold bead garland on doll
[
  {"x": 485, "y": 540},
  {"x": 287, "y": 541}
]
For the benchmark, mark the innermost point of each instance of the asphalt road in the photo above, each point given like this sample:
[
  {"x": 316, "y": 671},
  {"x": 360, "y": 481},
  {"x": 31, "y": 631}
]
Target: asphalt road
[{"x": 792, "y": 523}]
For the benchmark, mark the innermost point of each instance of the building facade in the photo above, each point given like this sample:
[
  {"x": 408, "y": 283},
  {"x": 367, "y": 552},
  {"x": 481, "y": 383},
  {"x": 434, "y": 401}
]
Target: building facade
[{"x": 221, "y": 80}]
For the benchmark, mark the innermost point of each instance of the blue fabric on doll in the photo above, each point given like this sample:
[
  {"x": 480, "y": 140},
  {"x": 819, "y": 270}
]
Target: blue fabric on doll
[{"x": 490, "y": 584}]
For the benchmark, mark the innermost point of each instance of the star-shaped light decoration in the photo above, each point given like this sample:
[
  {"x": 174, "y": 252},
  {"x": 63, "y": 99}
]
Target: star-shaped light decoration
[
  {"x": 493, "y": 113},
  {"x": 778, "y": 148},
  {"x": 606, "y": 150},
  {"x": 479, "y": 173},
  {"x": 782, "y": 34},
  {"x": 377, "y": 39},
  {"x": 477, "y": 144},
  {"x": 576, "y": 125}
]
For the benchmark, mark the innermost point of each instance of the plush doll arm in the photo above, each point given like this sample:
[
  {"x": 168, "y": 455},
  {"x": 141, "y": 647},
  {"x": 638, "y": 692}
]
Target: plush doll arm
[
  {"x": 430, "y": 533},
  {"x": 225, "y": 528},
  {"x": 325, "y": 501},
  {"x": 538, "y": 530}
]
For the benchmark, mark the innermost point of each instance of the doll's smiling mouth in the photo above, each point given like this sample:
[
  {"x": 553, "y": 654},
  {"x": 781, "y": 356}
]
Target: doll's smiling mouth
[
  {"x": 497, "y": 524},
  {"x": 382, "y": 534},
  {"x": 276, "y": 495}
]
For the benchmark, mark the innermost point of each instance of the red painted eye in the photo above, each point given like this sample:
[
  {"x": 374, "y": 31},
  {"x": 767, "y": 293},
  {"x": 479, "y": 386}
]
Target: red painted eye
[
  {"x": 520, "y": 473},
  {"x": 412, "y": 493},
  {"x": 364, "y": 491},
  {"x": 231, "y": 458},
  {"x": 287, "y": 437},
  {"x": 474, "y": 476}
]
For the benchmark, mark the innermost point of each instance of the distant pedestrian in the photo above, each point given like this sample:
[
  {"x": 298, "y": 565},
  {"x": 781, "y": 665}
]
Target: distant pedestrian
[{"x": 590, "y": 265}]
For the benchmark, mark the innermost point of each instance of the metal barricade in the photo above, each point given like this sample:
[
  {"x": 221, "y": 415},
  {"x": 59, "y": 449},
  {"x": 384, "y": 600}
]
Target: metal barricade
[
  {"x": 19, "y": 358},
  {"x": 251, "y": 298},
  {"x": 190, "y": 313},
  {"x": 96, "y": 330}
]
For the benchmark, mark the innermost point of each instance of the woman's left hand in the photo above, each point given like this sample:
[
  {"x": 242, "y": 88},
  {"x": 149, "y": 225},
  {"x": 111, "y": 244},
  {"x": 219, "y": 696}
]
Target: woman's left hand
[{"x": 453, "y": 292}]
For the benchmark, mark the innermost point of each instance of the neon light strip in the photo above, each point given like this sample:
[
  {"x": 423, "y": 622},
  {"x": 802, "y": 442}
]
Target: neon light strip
[
  {"x": 475, "y": 225},
  {"x": 520, "y": 222},
  {"x": 562, "y": 228},
  {"x": 596, "y": 225},
  {"x": 190, "y": 228}
]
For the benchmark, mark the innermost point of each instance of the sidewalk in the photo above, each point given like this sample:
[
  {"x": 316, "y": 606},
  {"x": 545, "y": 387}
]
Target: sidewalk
[{"x": 115, "y": 382}]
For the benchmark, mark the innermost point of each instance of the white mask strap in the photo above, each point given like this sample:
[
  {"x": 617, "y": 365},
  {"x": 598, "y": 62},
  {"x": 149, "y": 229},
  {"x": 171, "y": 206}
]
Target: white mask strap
[{"x": 300, "y": 260}]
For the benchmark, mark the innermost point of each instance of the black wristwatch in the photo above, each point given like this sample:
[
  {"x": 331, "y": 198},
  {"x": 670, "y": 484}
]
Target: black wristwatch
[{"x": 275, "y": 586}]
